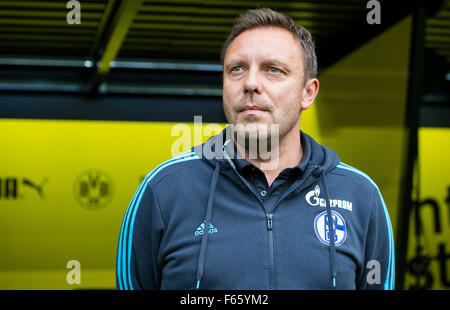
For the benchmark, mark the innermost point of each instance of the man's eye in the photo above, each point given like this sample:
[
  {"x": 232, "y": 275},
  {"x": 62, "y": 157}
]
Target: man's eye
[
  {"x": 274, "y": 70},
  {"x": 236, "y": 69}
]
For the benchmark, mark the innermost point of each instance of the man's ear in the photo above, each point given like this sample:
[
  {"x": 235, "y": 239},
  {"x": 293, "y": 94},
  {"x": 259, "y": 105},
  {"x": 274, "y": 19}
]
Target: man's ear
[{"x": 309, "y": 93}]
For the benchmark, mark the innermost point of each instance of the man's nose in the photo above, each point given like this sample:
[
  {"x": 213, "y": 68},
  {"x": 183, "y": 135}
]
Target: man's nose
[{"x": 252, "y": 83}]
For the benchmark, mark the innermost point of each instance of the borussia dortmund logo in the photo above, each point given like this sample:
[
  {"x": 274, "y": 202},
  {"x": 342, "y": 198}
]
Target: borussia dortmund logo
[{"x": 93, "y": 189}]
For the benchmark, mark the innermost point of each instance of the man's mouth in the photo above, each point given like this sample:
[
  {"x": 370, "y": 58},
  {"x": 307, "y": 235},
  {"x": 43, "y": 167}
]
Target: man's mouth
[{"x": 251, "y": 109}]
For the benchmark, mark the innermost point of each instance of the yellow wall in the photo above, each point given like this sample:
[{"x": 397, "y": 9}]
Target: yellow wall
[
  {"x": 38, "y": 236},
  {"x": 434, "y": 180}
]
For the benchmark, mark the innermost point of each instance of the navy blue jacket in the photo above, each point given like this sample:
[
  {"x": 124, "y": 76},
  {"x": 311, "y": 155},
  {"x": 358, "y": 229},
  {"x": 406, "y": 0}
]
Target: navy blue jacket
[{"x": 163, "y": 243}]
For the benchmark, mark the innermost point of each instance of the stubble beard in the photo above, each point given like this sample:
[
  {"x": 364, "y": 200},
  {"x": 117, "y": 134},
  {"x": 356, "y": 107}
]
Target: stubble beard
[{"x": 254, "y": 136}]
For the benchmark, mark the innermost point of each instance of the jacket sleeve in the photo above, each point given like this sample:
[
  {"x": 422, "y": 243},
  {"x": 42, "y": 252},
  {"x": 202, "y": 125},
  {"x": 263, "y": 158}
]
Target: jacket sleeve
[
  {"x": 137, "y": 264},
  {"x": 379, "y": 263}
]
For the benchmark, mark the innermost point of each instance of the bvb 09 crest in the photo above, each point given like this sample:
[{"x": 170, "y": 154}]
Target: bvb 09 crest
[{"x": 93, "y": 189}]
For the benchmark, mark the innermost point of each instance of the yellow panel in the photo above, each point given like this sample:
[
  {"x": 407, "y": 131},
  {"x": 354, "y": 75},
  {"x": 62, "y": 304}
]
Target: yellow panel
[
  {"x": 434, "y": 172},
  {"x": 41, "y": 231}
]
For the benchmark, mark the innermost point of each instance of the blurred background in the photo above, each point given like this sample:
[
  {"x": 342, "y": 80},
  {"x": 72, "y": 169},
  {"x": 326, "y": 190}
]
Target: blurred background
[{"x": 90, "y": 92}]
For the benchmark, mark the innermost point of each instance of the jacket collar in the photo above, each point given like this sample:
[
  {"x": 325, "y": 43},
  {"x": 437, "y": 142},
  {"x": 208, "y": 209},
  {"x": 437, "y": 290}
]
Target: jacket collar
[{"x": 315, "y": 154}]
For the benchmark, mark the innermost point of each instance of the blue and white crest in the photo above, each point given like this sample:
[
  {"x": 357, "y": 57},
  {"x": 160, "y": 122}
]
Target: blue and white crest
[{"x": 322, "y": 230}]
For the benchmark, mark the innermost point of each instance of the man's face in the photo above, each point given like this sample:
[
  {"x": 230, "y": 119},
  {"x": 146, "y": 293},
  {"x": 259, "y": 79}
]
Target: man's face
[{"x": 262, "y": 81}]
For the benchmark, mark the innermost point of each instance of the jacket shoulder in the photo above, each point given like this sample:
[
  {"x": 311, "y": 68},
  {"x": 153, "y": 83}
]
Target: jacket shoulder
[
  {"x": 168, "y": 167},
  {"x": 357, "y": 176}
]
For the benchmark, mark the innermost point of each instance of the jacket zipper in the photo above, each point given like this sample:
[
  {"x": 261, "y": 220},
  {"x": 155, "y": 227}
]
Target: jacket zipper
[
  {"x": 269, "y": 229},
  {"x": 270, "y": 225},
  {"x": 271, "y": 252}
]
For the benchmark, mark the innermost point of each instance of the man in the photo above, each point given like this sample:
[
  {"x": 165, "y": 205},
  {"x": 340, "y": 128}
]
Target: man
[{"x": 228, "y": 216}]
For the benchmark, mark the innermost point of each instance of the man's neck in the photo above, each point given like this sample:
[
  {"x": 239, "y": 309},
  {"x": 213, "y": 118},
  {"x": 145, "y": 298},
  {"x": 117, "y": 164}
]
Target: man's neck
[{"x": 290, "y": 153}]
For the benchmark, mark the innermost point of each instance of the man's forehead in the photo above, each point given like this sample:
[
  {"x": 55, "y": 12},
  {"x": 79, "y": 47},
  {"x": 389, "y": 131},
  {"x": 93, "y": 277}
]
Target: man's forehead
[{"x": 267, "y": 44}]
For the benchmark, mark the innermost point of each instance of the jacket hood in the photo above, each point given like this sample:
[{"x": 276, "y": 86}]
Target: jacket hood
[{"x": 220, "y": 148}]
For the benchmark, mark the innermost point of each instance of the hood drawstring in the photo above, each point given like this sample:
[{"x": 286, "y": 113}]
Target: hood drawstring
[
  {"x": 331, "y": 227},
  {"x": 201, "y": 259},
  {"x": 212, "y": 190}
]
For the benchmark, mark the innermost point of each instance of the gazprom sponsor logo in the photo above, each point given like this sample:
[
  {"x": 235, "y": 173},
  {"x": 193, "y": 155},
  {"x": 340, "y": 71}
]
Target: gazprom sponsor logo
[{"x": 312, "y": 198}]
